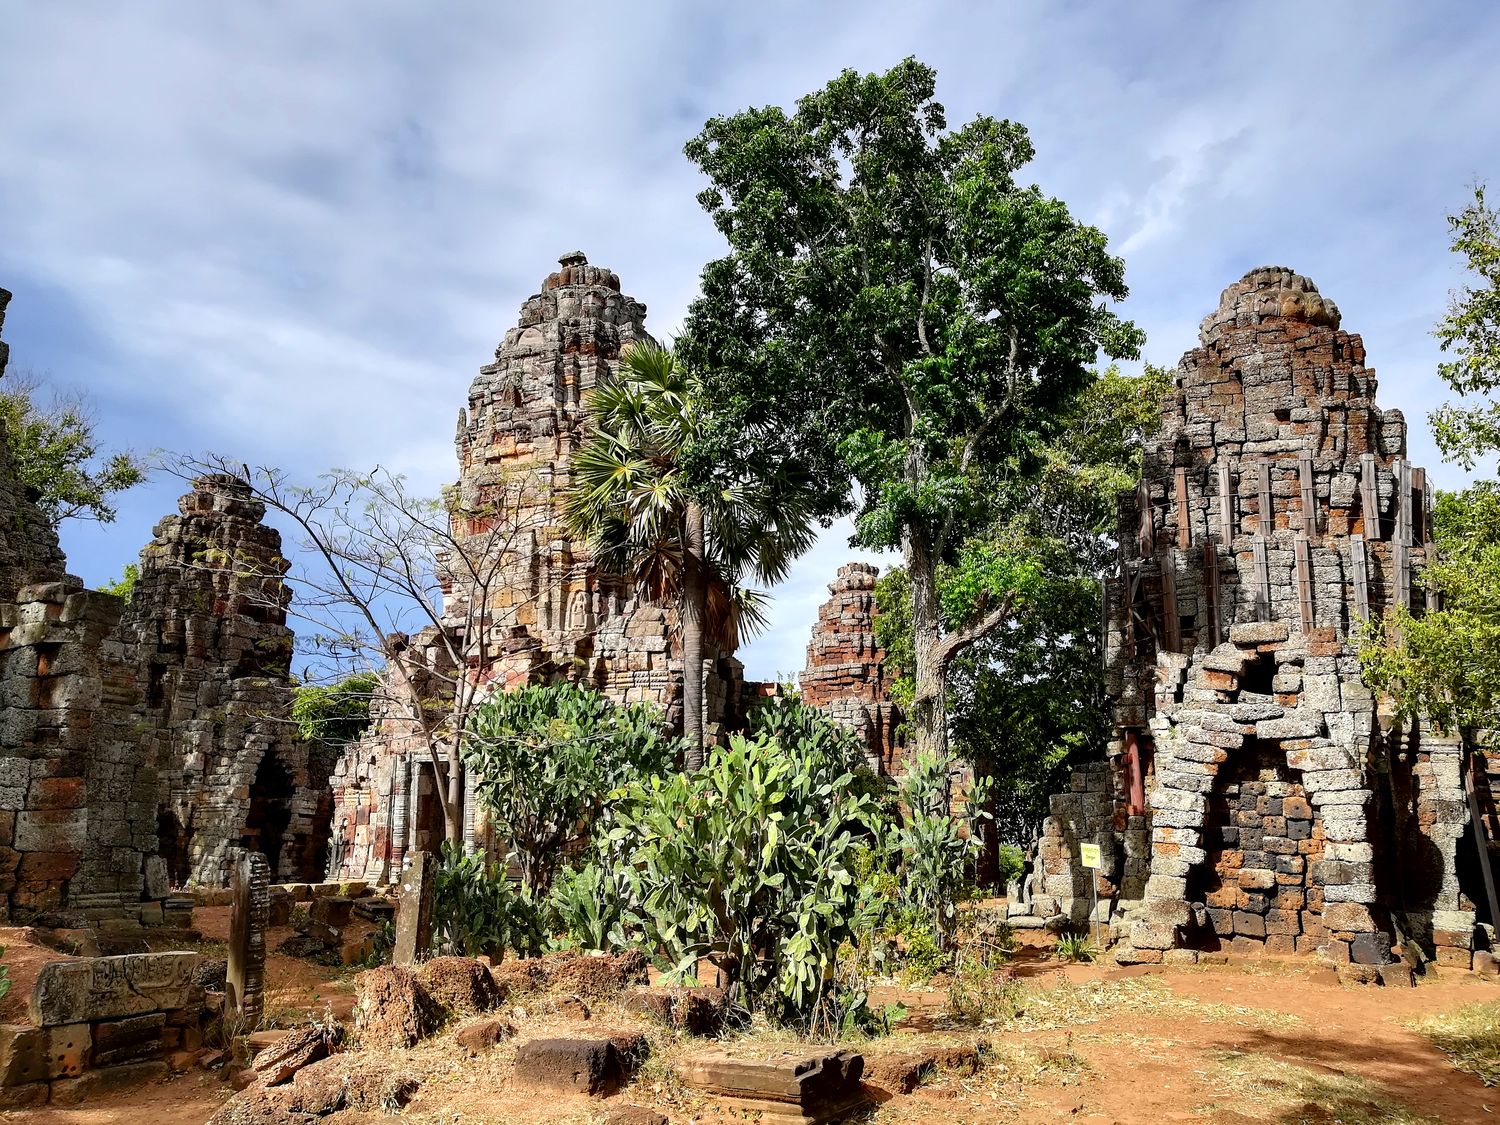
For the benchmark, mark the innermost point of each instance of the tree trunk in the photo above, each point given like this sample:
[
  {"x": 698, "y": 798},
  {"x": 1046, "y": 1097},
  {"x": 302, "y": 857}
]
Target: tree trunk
[
  {"x": 453, "y": 807},
  {"x": 694, "y": 593},
  {"x": 930, "y": 720}
]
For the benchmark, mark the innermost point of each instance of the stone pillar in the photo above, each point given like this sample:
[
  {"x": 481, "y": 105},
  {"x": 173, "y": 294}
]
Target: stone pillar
[
  {"x": 249, "y": 917},
  {"x": 414, "y": 910}
]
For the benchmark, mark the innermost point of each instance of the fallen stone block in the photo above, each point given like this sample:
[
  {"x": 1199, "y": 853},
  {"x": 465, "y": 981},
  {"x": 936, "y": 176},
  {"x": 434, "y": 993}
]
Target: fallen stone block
[
  {"x": 278, "y": 1062},
  {"x": 461, "y": 985},
  {"x": 476, "y": 1038},
  {"x": 103, "y": 988},
  {"x": 128, "y": 1040},
  {"x": 375, "y": 909},
  {"x": 569, "y": 1066},
  {"x": 698, "y": 1011},
  {"x": 392, "y": 1009},
  {"x": 818, "y": 1087},
  {"x": 889, "y": 1076},
  {"x": 334, "y": 910}
]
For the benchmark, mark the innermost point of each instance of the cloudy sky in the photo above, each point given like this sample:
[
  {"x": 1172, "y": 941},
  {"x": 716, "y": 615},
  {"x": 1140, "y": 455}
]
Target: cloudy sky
[{"x": 292, "y": 231}]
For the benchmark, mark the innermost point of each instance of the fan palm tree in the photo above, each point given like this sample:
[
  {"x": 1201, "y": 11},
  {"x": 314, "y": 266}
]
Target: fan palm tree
[{"x": 677, "y": 536}]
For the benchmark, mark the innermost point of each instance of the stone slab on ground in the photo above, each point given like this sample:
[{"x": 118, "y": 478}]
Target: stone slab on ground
[
  {"x": 819, "y": 1087},
  {"x": 103, "y": 988}
]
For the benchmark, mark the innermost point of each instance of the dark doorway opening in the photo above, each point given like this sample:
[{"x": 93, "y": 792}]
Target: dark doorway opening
[{"x": 270, "y": 812}]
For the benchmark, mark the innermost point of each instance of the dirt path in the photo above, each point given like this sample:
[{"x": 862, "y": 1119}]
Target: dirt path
[{"x": 1220, "y": 1044}]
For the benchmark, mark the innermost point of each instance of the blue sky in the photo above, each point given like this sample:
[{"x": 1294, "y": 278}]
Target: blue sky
[{"x": 291, "y": 232}]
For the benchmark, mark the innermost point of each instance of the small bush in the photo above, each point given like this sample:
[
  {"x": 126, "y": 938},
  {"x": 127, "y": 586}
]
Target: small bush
[
  {"x": 4, "y": 976},
  {"x": 477, "y": 910},
  {"x": 1012, "y": 861},
  {"x": 1075, "y": 947}
]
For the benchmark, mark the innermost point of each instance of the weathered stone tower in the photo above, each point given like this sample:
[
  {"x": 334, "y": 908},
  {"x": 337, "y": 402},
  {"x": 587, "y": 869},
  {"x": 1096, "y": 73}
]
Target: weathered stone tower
[
  {"x": 546, "y": 609},
  {"x": 1259, "y": 801},
  {"x": 845, "y": 675},
  {"x": 205, "y": 627}
]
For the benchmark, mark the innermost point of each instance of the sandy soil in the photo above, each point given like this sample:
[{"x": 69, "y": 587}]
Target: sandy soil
[{"x": 1226, "y": 1045}]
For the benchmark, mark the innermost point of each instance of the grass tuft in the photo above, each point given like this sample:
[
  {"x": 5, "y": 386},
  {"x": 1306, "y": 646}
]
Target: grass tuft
[{"x": 1470, "y": 1037}]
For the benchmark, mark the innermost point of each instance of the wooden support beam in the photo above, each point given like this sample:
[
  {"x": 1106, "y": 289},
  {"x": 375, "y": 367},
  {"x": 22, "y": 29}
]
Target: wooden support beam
[
  {"x": 1302, "y": 557},
  {"x": 1211, "y": 591},
  {"x": 1184, "y": 515},
  {"x": 1266, "y": 518},
  {"x": 1359, "y": 570},
  {"x": 1401, "y": 562},
  {"x": 1402, "y": 486},
  {"x": 1309, "y": 499},
  {"x": 1172, "y": 634},
  {"x": 1145, "y": 528},
  {"x": 1369, "y": 496},
  {"x": 1262, "y": 579},
  {"x": 1226, "y": 505},
  {"x": 1422, "y": 528}
]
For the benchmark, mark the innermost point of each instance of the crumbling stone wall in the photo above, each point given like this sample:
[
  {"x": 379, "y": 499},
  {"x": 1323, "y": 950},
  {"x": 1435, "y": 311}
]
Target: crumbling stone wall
[
  {"x": 845, "y": 674},
  {"x": 206, "y": 629},
  {"x": 1276, "y": 512},
  {"x": 76, "y": 793}
]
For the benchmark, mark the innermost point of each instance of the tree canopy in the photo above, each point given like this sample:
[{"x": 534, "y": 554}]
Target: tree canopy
[
  {"x": 56, "y": 451},
  {"x": 903, "y": 316}
]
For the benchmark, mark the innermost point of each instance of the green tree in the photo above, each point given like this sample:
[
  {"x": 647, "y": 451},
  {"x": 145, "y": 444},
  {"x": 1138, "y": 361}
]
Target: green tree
[
  {"x": 55, "y": 449},
  {"x": 545, "y": 757},
  {"x": 647, "y": 514},
  {"x": 905, "y": 319},
  {"x": 1027, "y": 701},
  {"x": 1466, "y": 432},
  {"x": 336, "y": 713},
  {"x": 122, "y": 586},
  {"x": 1445, "y": 664}
]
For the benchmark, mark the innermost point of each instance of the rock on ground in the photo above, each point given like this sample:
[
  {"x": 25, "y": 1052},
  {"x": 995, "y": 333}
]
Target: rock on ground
[
  {"x": 392, "y": 1009},
  {"x": 462, "y": 985}
]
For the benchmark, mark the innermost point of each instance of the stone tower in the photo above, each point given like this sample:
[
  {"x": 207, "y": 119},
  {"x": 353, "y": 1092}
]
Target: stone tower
[
  {"x": 554, "y": 612},
  {"x": 845, "y": 675},
  {"x": 1259, "y": 802},
  {"x": 206, "y": 628}
]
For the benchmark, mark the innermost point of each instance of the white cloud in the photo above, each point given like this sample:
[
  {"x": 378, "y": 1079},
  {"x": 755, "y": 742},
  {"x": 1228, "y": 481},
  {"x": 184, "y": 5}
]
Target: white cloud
[{"x": 294, "y": 231}]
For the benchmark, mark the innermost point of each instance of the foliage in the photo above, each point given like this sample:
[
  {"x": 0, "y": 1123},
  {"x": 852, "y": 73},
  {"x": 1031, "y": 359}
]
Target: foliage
[
  {"x": 335, "y": 714},
  {"x": 1012, "y": 862},
  {"x": 1471, "y": 330},
  {"x": 4, "y": 975},
  {"x": 646, "y": 515},
  {"x": 981, "y": 988},
  {"x": 545, "y": 756},
  {"x": 749, "y": 859},
  {"x": 1075, "y": 947},
  {"x": 56, "y": 454},
  {"x": 122, "y": 586},
  {"x": 933, "y": 848},
  {"x": 1027, "y": 701},
  {"x": 476, "y": 910},
  {"x": 1445, "y": 664},
  {"x": 585, "y": 906},
  {"x": 903, "y": 316}
]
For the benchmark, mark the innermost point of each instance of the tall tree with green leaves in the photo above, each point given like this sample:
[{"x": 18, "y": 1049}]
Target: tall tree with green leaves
[
  {"x": 1446, "y": 664},
  {"x": 682, "y": 536},
  {"x": 902, "y": 316},
  {"x": 55, "y": 446},
  {"x": 1027, "y": 701}
]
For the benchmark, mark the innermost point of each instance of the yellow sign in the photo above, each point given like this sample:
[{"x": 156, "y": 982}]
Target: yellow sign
[{"x": 1089, "y": 853}]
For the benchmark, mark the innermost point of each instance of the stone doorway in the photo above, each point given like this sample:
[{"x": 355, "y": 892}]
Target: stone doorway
[
  {"x": 270, "y": 812},
  {"x": 430, "y": 827},
  {"x": 1264, "y": 842}
]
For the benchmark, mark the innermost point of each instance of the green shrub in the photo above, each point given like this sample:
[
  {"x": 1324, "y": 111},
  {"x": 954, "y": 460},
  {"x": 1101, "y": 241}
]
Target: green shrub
[
  {"x": 1012, "y": 862},
  {"x": 750, "y": 859},
  {"x": 477, "y": 910},
  {"x": 545, "y": 757},
  {"x": 933, "y": 849},
  {"x": 1075, "y": 947},
  {"x": 584, "y": 905},
  {"x": 4, "y": 976}
]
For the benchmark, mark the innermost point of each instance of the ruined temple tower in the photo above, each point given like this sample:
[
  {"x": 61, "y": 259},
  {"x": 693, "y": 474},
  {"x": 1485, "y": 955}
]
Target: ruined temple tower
[
  {"x": 545, "y": 609},
  {"x": 1256, "y": 798},
  {"x": 846, "y": 676},
  {"x": 205, "y": 627}
]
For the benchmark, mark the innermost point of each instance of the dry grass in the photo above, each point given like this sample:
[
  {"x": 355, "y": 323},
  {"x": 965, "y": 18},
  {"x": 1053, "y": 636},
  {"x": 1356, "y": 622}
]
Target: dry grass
[
  {"x": 1073, "y": 1005},
  {"x": 1470, "y": 1037},
  {"x": 1259, "y": 1088}
]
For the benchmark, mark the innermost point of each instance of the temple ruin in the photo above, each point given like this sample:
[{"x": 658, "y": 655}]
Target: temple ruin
[
  {"x": 1256, "y": 797},
  {"x": 846, "y": 676}
]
